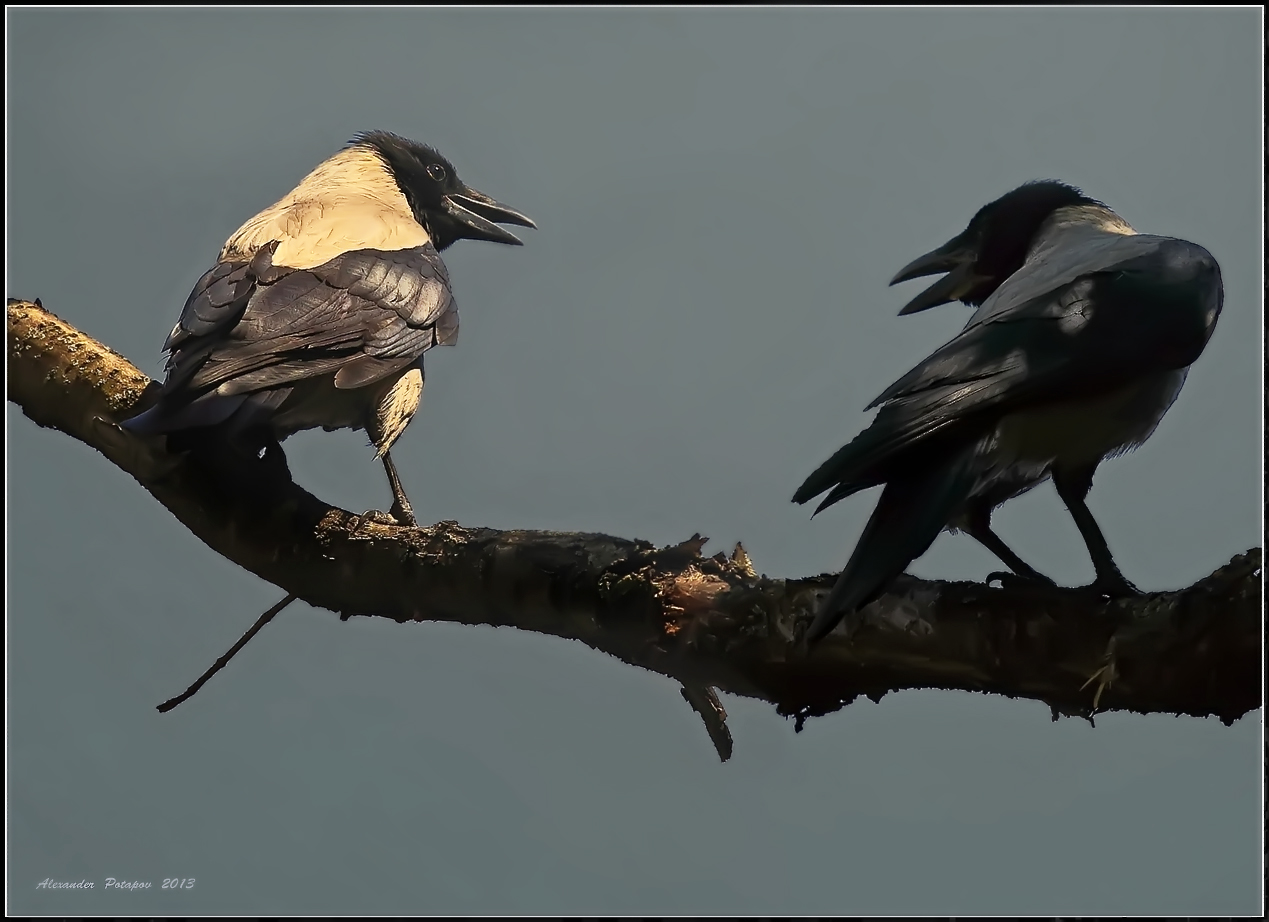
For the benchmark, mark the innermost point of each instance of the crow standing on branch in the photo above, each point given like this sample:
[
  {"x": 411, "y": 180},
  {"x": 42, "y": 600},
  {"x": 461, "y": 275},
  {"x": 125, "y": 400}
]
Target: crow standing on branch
[
  {"x": 1082, "y": 339},
  {"x": 320, "y": 308}
]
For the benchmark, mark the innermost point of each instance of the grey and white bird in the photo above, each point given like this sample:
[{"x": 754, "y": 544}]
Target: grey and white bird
[
  {"x": 1082, "y": 339},
  {"x": 320, "y": 308}
]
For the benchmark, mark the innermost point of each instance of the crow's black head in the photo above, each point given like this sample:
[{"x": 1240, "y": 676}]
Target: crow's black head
[
  {"x": 441, "y": 202},
  {"x": 993, "y": 247}
]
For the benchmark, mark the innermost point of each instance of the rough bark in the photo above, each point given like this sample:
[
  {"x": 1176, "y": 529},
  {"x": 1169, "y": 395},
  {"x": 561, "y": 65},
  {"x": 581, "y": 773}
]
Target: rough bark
[{"x": 707, "y": 622}]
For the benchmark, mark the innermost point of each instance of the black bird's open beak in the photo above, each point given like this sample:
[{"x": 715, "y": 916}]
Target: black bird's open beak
[
  {"x": 480, "y": 215},
  {"x": 956, "y": 258}
]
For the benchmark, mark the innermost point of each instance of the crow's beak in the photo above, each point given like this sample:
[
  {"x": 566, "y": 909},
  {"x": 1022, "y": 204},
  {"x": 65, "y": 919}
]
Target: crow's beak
[
  {"x": 480, "y": 216},
  {"x": 956, "y": 258}
]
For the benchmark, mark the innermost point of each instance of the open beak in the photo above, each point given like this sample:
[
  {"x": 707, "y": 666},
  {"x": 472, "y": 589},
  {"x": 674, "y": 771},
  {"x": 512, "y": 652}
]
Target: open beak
[
  {"x": 481, "y": 215},
  {"x": 956, "y": 258}
]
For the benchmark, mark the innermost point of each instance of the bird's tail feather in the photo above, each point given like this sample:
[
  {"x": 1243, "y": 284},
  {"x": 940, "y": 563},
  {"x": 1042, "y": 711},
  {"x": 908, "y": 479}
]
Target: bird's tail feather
[
  {"x": 224, "y": 413},
  {"x": 230, "y": 434},
  {"x": 167, "y": 416},
  {"x": 913, "y": 509}
]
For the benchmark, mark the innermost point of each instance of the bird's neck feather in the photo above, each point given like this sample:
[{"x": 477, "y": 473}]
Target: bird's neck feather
[{"x": 348, "y": 202}]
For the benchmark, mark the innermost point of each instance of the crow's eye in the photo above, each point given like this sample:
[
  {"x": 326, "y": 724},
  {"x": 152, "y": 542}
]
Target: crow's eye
[{"x": 436, "y": 171}]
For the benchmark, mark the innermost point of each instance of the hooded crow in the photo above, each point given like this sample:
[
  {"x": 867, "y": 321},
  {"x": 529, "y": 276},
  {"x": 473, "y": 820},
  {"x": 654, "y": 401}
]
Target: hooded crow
[
  {"x": 320, "y": 308},
  {"x": 1082, "y": 339}
]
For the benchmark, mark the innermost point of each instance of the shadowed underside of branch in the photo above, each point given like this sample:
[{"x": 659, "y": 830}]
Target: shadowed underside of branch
[{"x": 708, "y": 622}]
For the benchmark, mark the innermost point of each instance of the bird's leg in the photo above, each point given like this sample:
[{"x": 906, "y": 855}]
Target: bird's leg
[
  {"x": 401, "y": 510},
  {"x": 978, "y": 527},
  {"x": 401, "y": 514},
  {"x": 1073, "y": 486}
]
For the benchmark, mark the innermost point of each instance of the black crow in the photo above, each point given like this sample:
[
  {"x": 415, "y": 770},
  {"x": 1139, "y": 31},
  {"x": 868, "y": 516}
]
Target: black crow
[{"x": 1082, "y": 340}]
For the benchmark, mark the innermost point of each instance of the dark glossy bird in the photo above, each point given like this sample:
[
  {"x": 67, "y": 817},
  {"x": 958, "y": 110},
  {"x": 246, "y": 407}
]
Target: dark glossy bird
[
  {"x": 1083, "y": 336},
  {"x": 319, "y": 309}
]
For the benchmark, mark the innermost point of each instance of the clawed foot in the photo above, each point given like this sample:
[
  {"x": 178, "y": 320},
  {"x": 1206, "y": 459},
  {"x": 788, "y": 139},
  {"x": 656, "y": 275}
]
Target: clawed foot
[
  {"x": 1010, "y": 580},
  {"x": 1113, "y": 587},
  {"x": 376, "y": 517},
  {"x": 400, "y": 516},
  {"x": 403, "y": 512}
]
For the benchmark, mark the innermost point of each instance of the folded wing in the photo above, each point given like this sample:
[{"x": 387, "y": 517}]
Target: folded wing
[
  {"x": 251, "y": 327},
  {"x": 1151, "y": 312}
]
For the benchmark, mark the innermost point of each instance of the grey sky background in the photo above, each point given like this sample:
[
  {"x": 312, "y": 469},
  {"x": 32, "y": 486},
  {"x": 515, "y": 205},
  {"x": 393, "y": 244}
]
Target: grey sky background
[{"x": 722, "y": 196}]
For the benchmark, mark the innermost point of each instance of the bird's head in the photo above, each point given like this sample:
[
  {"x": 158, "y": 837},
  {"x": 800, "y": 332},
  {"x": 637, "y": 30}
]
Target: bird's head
[
  {"x": 446, "y": 207},
  {"x": 993, "y": 247}
]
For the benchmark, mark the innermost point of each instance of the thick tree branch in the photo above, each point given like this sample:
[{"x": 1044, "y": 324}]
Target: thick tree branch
[{"x": 708, "y": 622}]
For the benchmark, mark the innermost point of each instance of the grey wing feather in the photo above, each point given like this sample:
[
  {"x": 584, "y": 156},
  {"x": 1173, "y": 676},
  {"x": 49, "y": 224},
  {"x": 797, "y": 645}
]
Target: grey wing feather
[
  {"x": 294, "y": 324},
  {"x": 219, "y": 298},
  {"x": 253, "y": 326}
]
